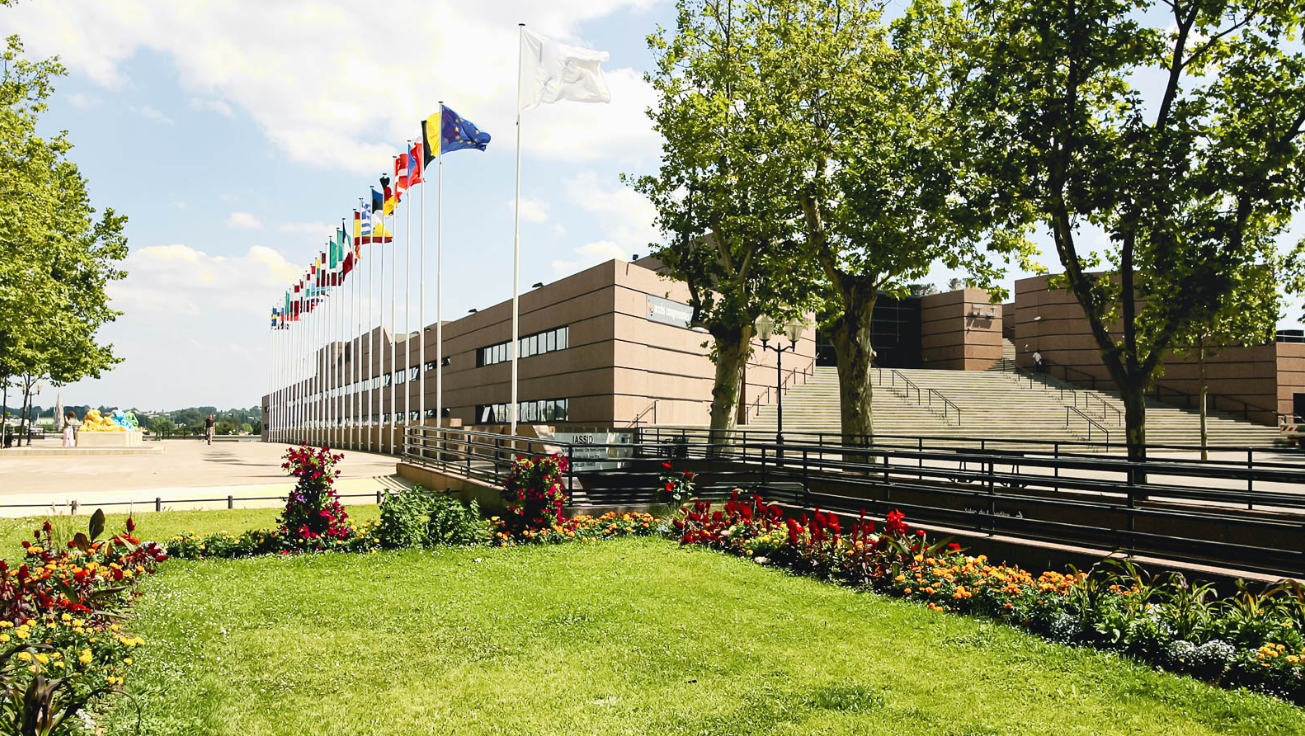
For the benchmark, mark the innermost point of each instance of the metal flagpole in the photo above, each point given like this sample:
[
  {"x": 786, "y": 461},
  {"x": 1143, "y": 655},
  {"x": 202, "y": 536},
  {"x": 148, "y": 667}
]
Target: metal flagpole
[
  {"x": 271, "y": 380},
  {"x": 394, "y": 319},
  {"x": 371, "y": 347},
  {"x": 380, "y": 337},
  {"x": 421, "y": 304},
  {"x": 407, "y": 311},
  {"x": 439, "y": 270},
  {"x": 516, "y": 237},
  {"x": 357, "y": 348}
]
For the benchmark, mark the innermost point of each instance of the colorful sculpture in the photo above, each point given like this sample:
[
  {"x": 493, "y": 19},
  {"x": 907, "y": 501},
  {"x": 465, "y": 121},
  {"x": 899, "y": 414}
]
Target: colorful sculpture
[{"x": 119, "y": 421}]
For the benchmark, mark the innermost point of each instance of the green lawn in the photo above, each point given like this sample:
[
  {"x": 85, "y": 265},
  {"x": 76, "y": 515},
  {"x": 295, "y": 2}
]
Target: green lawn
[
  {"x": 151, "y": 525},
  {"x": 627, "y": 637}
]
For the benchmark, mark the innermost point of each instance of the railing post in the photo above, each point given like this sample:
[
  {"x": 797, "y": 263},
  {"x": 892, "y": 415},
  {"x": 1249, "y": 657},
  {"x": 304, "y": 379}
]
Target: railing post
[
  {"x": 806, "y": 489},
  {"x": 919, "y": 441},
  {"x": 1250, "y": 478},
  {"x": 992, "y": 498},
  {"x": 158, "y": 504}
]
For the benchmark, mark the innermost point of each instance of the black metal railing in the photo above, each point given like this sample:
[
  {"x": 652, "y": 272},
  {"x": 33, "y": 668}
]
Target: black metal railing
[
  {"x": 1244, "y": 518},
  {"x": 751, "y": 410},
  {"x": 947, "y": 404},
  {"x": 1071, "y": 411}
]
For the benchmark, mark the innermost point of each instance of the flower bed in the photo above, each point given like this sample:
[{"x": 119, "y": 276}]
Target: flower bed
[
  {"x": 60, "y": 643},
  {"x": 1252, "y": 639}
]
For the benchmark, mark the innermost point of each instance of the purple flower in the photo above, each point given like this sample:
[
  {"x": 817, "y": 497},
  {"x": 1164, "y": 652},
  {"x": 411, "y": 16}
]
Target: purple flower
[{"x": 299, "y": 497}]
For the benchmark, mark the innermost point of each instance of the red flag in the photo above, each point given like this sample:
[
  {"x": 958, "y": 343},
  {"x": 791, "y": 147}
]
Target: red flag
[
  {"x": 348, "y": 262},
  {"x": 416, "y": 165},
  {"x": 400, "y": 173}
]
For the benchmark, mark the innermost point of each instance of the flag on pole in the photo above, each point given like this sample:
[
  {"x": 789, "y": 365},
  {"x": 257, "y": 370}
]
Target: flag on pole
[
  {"x": 400, "y": 174},
  {"x": 378, "y": 201},
  {"x": 416, "y": 165},
  {"x": 458, "y": 133},
  {"x": 551, "y": 72}
]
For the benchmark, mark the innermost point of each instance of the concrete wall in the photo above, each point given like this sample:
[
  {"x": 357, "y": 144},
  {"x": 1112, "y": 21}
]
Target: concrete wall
[
  {"x": 954, "y": 337},
  {"x": 617, "y": 363},
  {"x": 1052, "y": 322}
]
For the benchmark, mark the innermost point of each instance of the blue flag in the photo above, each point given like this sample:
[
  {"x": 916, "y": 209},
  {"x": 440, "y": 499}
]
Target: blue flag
[{"x": 457, "y": 133}]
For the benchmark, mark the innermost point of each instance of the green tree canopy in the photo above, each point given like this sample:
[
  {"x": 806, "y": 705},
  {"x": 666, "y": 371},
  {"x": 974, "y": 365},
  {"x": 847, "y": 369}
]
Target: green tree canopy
[{"x": 1177, "y": 180}]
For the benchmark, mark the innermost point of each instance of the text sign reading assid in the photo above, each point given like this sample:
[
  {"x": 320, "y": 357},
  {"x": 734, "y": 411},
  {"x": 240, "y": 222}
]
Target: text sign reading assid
[{"x": 668, "y": 312}]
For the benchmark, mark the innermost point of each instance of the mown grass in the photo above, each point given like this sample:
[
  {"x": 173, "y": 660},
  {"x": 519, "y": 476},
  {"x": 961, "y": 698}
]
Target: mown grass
[
  {"x": 153, "y": 526},
  {"x": 624, "y": 637}
]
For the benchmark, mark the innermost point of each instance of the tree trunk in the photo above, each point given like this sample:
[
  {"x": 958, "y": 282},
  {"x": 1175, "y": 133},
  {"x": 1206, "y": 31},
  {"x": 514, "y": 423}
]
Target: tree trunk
[
  {"x": 1135, "y": 420},
  {"x": 1200, "y": 362},
  {"x": 733, "y": 345},
  {"x": 23, "y": 421},
  {"x": 850, "y": 335}
]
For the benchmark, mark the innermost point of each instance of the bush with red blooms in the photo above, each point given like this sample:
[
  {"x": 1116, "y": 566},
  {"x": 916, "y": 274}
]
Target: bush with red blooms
[
  {"x": 313, "y": 518},
  {"x": 679, "y": 486},
  {"x": 82, "y": 576},
  {"x": 533, "y": 493},
  {"x": 817, "y": 544}
]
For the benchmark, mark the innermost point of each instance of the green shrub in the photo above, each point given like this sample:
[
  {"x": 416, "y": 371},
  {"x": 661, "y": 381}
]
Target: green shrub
[{"x": 415, "y": 518}]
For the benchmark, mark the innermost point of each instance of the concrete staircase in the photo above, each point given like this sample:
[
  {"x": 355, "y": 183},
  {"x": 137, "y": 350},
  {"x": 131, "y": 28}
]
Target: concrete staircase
[{"x": 996, "y": 405}]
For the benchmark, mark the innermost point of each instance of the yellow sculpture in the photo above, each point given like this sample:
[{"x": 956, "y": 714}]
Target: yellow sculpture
[{"x": 96, "y": 423}]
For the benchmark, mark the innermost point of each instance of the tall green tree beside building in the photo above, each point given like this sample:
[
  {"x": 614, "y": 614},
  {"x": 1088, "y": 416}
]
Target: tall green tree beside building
[
  {"x": 56, "y": 256},
  {"x": 1176, "y": 179},
  {"x": 879, "y": 164},
  {"x": 723, "y": 204}
]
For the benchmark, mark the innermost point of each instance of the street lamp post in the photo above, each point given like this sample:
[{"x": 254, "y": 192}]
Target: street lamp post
[{"x": 765, "y": 330}]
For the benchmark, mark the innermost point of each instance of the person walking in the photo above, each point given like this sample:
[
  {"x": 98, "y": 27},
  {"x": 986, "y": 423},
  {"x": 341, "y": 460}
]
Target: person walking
[
  {"x": 70, "y": 429},
  {"x": 208, "y": 429}
]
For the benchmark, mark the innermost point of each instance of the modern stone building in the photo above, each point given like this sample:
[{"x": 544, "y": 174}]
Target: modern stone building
[{"x": 604, "y": 348}]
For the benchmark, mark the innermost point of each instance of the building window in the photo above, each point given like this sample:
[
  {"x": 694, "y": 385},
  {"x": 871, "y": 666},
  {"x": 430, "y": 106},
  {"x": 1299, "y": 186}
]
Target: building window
[
  {"x": 530, "y": 345},
  {"x": 430, "y": 365},
  {"x": 398, "y": 378},
  {"x": 413, "y": 373},
  {"x": 539, "y": 410}
]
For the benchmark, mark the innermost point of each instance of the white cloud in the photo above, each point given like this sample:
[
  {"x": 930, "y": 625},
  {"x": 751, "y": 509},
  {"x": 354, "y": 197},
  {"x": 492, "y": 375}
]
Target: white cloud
[
  {"x": 625, "y": 216},
  {"x": 179, "y": 204},
  {"x": 217, "y": 106},
  {"x": 178, "y": 279},
  {"x": 243, "y": 221},
  {"x": 335, "y": 92},
  {"x": 589, "y": 254},
  {"x": 532, "y": 210},
  {"x": 559, "y": 229},
  {"x": 82, "y": 100},
  {"x": 149, "y": 112}
]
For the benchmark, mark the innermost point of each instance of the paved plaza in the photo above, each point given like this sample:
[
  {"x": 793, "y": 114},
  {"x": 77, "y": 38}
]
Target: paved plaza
[{"x": 181, "y": 474}]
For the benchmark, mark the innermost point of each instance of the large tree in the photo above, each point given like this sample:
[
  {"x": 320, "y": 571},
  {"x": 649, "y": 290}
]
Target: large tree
[
  {"x": 882, "y": 171},
  {"x": 1171, "y": 126},
  {"x": 56, "y": 256},
  {"x": 722, "y": 204}
]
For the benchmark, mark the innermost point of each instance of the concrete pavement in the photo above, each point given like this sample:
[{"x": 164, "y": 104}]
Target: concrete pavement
[{"x": 186, "y": 474}]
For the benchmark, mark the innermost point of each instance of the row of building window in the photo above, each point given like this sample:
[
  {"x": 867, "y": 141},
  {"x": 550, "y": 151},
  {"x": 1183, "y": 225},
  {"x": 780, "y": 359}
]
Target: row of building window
[
  {"x": 541, "y": 342},
  {"x": 540, "y": 410}
]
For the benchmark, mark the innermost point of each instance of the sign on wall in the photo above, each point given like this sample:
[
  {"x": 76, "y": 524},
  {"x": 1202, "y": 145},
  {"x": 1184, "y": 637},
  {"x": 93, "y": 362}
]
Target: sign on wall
[
  {"x": 589, "y": 450},
  {"x": 668, "y": 312}
]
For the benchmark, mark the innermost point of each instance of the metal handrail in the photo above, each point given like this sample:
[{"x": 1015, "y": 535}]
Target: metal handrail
[
  {"x": 650, "y": 408},
  {"x": 1191, "y": 401},
  {"x": 1091, "y": 422},
  {"x": 753, "y": 409},
  {"x": 946, "y": 403},
  {"x": 892, "y": 383},
  {"x": 1105, "y": 406}
]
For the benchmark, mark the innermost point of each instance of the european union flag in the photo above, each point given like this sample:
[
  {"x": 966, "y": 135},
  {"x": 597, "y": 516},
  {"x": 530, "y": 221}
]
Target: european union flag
[{"x": 457, "y": 133}]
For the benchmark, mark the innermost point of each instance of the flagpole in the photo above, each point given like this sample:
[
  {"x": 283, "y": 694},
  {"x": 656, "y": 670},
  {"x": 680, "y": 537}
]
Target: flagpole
[
  {"x": 439, "y": 271},
  {"x": 371, "y": 343},
  {"x": 421, "y": 307},
  {"x": 394, "y": 319},
  {"x": 407, "y": 312},
  {"x": 271, "y": 379},
  {"x": 516, "y": 238}
]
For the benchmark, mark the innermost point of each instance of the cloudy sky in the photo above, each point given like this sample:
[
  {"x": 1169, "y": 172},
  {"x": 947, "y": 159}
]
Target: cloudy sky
[{"x": 236, "y": 133}]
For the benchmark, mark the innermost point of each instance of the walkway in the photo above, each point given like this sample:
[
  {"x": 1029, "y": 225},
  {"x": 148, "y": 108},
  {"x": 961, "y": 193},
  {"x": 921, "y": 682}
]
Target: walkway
[{"x": 186, "y": 471}]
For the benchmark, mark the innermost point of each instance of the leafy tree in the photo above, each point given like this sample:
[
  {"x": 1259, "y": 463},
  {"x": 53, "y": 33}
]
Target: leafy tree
[
  {"x": 56, "y": 257},
  {"x": 722, "y": 203},
  {"x": 1248, "y": 317},
  {"x": 162, "y": 426},
  {"x": 880, "y": 166},
  {"x": 224, "y": 428},
  {"x": 1177, "y": 181}
]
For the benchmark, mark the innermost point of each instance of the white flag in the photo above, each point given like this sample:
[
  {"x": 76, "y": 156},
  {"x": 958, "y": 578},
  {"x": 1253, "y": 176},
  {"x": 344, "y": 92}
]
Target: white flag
[{"x": 552, "y": 72}]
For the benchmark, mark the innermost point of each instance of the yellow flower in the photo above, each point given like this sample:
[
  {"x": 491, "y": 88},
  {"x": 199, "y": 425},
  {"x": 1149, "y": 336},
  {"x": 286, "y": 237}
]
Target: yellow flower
[
  {"x": 43, "y": 659},
  {"x": 24, "y": 657},
  {"x": 85, "y": 657}
]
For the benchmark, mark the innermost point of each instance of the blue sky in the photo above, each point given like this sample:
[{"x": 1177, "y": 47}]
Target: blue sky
[{"x": 236, "y": 134}]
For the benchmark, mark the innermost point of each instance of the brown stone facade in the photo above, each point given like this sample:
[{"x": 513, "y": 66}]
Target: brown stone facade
[
  {"x": 960, "y": 330},
  {"x": 1265, "y": 377},
  {"x": 617, "y": 361}
]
